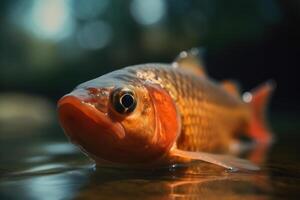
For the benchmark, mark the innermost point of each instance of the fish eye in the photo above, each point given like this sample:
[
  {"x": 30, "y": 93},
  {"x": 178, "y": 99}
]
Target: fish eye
[{"x": 123, "y": 101}]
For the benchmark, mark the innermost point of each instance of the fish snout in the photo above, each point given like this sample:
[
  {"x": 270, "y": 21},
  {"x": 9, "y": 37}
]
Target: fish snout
[
  {"x": 97, "y": 97},
  {"x": 86, "y": 125}
]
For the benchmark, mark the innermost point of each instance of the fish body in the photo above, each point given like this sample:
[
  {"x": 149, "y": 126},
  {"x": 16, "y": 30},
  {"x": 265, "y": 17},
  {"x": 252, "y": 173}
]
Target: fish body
[
  {"x": 157, "y": 114},
  {"x": 207, "y": 111}
]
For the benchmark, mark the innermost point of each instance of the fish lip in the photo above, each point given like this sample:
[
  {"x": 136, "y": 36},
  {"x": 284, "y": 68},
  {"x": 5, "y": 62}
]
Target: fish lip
[{"x": 72, "y": 104}]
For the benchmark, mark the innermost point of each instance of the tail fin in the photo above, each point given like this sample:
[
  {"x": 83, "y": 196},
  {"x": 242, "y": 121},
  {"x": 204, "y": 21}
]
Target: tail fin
[{"x": 258, "y": 100}]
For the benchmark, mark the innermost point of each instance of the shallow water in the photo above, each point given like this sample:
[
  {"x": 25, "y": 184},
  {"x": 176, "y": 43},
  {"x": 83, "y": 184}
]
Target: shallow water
[{"x": 44, "y": 165}]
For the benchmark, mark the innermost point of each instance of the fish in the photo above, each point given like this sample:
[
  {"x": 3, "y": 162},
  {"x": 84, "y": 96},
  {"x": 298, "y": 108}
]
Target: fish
[{"x": 157, "y": 114}]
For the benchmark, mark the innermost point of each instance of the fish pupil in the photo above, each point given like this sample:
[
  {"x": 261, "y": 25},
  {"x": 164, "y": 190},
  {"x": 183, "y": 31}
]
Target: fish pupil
[
  {"x": 127, "y": 100},
  {"x": 123, "y": 101}
]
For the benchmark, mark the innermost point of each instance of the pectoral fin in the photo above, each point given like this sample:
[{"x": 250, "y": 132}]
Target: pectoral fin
[{"x": 226, "y": 161}]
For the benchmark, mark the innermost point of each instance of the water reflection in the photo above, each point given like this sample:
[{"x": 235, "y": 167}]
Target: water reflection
[
  {"x": 194, "y": 182},
  {"x": 61, "y": 172},
  {"x": 59, "y": 148},
  {"x": 39, "y": 169}
]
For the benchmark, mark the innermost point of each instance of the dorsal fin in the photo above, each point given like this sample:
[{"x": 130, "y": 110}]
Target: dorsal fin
[
  {"x": 231, "y": 87},
  {"x": 190, "y": 60}
]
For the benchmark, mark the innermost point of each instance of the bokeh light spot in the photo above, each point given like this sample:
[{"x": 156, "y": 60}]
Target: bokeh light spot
[
  {"x": 94, "y": 35},
  {"x": 90, "y": 9},
  {"x": 247, "y": 97},
  {"x": 148, "y": 12},
  {"x": 49, "y": 19}
]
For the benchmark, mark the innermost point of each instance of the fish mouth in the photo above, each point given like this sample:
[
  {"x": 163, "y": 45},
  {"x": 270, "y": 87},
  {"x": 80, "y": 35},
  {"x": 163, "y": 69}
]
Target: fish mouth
[{"x": 88, "y": 127}]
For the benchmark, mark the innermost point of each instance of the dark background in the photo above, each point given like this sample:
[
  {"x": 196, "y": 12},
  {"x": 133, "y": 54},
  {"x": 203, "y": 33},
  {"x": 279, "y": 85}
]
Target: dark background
[{"x": 48, "y": 47}]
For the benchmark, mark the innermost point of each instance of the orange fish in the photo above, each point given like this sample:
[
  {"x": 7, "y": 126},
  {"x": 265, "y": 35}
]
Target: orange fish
[{"x": 157, "y": 114}]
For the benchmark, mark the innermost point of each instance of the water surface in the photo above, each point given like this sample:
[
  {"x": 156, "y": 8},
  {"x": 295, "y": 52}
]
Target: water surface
[{"x": 44, "y": 165}]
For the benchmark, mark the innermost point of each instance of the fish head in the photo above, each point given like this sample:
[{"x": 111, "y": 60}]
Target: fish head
[{"x": 117, "y": 123}]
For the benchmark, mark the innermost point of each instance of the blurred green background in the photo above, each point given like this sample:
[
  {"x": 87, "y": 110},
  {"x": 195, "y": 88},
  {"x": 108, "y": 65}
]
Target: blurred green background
[
  {"x": 50, "y": 46},
  {"x": 47, "y": 47}
]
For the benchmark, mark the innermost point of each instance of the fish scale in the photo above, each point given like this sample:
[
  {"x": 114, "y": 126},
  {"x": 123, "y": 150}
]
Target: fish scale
[{"x": 207, "y": 111}]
